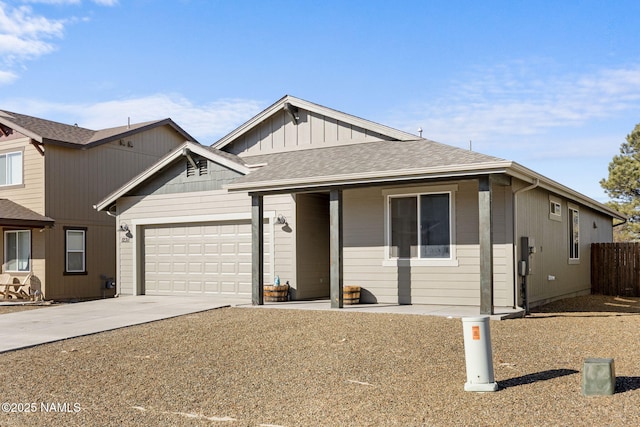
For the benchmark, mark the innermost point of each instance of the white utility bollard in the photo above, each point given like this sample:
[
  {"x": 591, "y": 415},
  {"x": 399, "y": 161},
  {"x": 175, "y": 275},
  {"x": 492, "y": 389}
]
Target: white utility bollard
[{"x": 477, "y": 352}]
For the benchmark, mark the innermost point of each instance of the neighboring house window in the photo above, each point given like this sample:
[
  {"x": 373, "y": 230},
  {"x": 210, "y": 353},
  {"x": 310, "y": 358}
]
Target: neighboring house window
[
  {"x": 420, "y": 226},
  {"x": 17, "y": 250},
  {"x": 574, "y": 234},
  {"x": 11, "y": 168},
  {"x": 75, "y": 249}
]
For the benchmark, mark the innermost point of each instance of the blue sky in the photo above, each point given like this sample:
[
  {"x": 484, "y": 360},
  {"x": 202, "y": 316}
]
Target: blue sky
[{"x": 553, "y": 85}]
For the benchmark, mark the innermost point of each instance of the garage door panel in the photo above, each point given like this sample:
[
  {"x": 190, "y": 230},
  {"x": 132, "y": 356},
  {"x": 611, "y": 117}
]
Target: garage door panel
[
  {"x": 211, "y": 248},
  {"x": 229, "y": 248},
  {"x": 228, "y": 268},
  {"x": 230, "y": 287},
  {"x": 212, "y": 258},
  {"x": 211, "y": 268},
  {"x": 195, "y": 248}
]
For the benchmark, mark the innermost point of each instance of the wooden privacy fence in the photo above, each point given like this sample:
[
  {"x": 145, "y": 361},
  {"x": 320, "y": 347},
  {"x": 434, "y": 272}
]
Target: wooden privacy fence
[{"x": 615, "y": 269}]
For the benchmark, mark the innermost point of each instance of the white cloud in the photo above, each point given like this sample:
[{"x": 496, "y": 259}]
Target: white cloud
[
  {"x": 63, "y": 2},
  {"x": 512, "y": 101},
  {"x": 207, "y": 123},
  {"x": 7, "y": 77},
  {"x": 25, "y": 35}
]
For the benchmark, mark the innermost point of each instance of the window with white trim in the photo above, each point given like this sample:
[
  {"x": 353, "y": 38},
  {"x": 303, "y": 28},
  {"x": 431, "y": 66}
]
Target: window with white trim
[
  {"x": 420, "y": 226},
  {"x": 75, "y": 250},
  {"x": 11, "y": 168},
  {"x": 17, "y": 250},
  {"x": 574, "y": 234}
]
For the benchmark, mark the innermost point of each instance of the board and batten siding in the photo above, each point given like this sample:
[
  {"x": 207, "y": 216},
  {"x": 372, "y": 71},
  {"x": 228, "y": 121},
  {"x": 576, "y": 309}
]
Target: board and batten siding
[
  {"x": 366, "y": 263},
  {"x": 201, "y": 207},
  {"x": 551, "y": 274},
  {"x": 76, "y": 179},
  {"x": 279, "y": 134}
]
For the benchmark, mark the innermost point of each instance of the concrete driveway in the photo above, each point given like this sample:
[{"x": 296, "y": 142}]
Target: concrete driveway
[{"x": 32, "y": 327}]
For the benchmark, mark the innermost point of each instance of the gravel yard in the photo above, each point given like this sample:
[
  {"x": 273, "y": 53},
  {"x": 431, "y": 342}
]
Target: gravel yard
[
  {"x": 251, "y": 367},
  {"x": 4, "y": 309}
]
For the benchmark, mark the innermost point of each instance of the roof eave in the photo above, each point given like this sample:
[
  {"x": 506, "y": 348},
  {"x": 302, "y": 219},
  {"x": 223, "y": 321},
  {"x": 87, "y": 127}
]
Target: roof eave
[
  {"x": 315, "y": 108},
  {"x": 521, "y": 172},
  {"x": 21, "y": 130},
  {"x": 130, "y": 132},
  {"x": 28, "y": 223},
  {"x": 371, "y": 178},
  {"x": 193, "y": 147}
]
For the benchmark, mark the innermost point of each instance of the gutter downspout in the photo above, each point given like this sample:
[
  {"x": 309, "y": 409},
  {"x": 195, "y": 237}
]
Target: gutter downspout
[
  {"x": 536, "y": 183},
  {"x": 111, "y": 214}
]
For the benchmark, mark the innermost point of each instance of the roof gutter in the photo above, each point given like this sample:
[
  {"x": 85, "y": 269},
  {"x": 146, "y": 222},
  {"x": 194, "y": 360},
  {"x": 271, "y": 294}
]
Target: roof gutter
[{"x": 372, "y": 178}]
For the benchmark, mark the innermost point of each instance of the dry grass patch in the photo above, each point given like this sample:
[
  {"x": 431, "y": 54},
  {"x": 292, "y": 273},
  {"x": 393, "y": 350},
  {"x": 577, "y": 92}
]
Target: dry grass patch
[{"x": 249, "y": 367}]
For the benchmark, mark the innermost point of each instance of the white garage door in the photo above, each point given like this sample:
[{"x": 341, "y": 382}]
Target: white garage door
[{"x": 203, "y": 258}]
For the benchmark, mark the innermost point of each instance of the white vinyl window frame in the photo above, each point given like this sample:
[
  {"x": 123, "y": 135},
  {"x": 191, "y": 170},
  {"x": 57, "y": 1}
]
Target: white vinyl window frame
[
  {"x": 416, "y": 192},
  {"x": 11, "y": 168},
  {"x": 75, "y": 248},
  {"x": 17, "y": 251},
  {"x": 555, "y": 209},
  {"x": 573, "y": 223}
]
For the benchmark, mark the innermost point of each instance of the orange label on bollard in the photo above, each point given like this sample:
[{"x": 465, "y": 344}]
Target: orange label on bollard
[{"x": 475, "y": 333}]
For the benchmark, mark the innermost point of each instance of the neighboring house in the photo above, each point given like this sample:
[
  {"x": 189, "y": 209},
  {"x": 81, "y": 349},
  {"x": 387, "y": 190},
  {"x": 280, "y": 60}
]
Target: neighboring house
[
  {"x": 51, "y": 175},
  {"x": 324, "y": 199}
]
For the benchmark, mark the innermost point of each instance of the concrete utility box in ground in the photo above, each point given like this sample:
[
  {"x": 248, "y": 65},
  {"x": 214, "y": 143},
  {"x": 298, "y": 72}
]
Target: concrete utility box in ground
[{"x": 598, "y": 377}]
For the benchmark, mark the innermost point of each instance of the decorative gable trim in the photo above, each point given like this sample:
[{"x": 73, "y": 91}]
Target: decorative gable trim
[
  {"x": 292, "y": 104},
  {"x": 184, "y": 150}
]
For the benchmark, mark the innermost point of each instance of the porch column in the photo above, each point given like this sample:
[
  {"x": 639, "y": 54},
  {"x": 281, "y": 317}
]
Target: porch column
[
  {"x": 257, "y": 249},
  {"x": 486, "y": 245},
  {"x": 335, "y": 247}
]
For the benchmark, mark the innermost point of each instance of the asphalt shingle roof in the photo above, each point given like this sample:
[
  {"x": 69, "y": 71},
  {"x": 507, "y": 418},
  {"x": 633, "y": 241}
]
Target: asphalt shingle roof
[
  {"x": 12, "y": 213},
  {"x": 55, "y": 132},
  {"x": 368, "y": 158}
]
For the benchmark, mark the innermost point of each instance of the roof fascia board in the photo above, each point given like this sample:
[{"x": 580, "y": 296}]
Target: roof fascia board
[
  {"x": 315, "y": 108},
  {"x": 30, "y": 223},
  {"x": 166, "y": 160},
  {"x": 226, "y": 140},
  {"x": 20, "y": 129},
  {"x": 375, "y": 177},
  {"x": 205, "y": 152},
  {"x": 139, "y": 130},
  {"x": 508, "y": 167},
  {"x": 525, "y": 174},
  {"x": 348, "y": 118}
]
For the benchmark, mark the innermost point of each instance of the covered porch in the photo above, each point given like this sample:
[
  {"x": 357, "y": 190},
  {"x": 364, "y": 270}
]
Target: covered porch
[
  {"x": 21, "y": 244},
  {"x": 448, "y": 311},
  {"x": 334, "y": 239}
]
